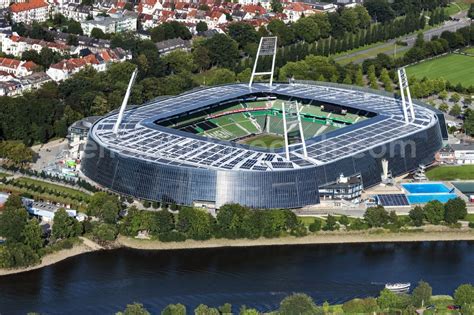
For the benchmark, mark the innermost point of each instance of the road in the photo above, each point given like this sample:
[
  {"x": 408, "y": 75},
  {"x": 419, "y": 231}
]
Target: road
[{"x": 410, "y": 39}]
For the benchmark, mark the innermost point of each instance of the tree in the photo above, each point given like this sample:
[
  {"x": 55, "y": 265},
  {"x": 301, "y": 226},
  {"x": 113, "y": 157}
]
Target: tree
[
  {"x": 174, "y": 309},
  {"x": 443, "y": 95},
  {"x": 455, "y": 97},
  {"x": 201, "y": 57},
  {"x": 12, "y": 223},
  {"x": 417, "y": 215},
  {"x": 64, "y": 226},
  {"x": 205, "y": 310},
  {"x": 470, "y": 13},
  {"x": 72, "y": 40},
  {"x": 464, "y": 295},
  {"x": 223, "y": 51},
  {"x": 434, "y": 212},
  {"x": 201, "y": 26},
  {"x": 379, "y": 10},
  {"x": 372, "y": 77},
  {"x": 98, "y": 33},
  {"x": 331, "y": 223},
  {"x": 104, "y": 206},
  {"x": 306, "y": 29},
  {"x": 454, "y": 210},
  {"x": 315, "y": 226},
  {"x": 134, "y": 309},
  {"x": 360, "y": 306},
  {"x": 105, "y": 232},
  {"x": 297, "y": 304},
  {"x": 195, "y": 223},
  {"x": 376, "y": 216},
  {"x": 276, "y": 6},
  {"x": 344, "y": 220},
  {"x": 74, "y": 27},
  {"x": 422, "y": 294},
  {"x": 32, "y": 235},
  {"x": 388, "y": 299},
  {"x": 455, "y": 110},
  {"x": 444, "y": 107},
  {"x": 242, "y": 33}
]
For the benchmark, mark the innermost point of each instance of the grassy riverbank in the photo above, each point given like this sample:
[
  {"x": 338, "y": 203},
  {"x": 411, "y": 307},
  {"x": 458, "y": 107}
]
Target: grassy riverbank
[{"x": 340, "y": 237}]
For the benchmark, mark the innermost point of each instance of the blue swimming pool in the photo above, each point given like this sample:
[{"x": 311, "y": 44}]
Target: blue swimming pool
[
  {"x": 426, "y": 188},
  {"x": 426, "y": 192},
  {"x": 424, "y": 198}
]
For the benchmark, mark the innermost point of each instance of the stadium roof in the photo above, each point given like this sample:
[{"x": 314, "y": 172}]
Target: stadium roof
[{"x": 140, "y": 137}]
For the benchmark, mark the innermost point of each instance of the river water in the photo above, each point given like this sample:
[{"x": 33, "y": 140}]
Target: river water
[{"x": 104, "y": 282}]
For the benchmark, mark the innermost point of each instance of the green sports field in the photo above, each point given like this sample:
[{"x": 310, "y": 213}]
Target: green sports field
[
  {"x": 265, "y": 141},
  {"x": 453, "y": 68},
  {"x": 461, "y": 172}
]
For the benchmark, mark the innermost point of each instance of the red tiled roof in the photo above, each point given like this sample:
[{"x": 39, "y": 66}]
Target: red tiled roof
[
  {"x": 297, "y": 6},
  {"x": 252, "y": 8},
  {"x": 9, "y": 63},
  {"x": 28, "y": 5}
]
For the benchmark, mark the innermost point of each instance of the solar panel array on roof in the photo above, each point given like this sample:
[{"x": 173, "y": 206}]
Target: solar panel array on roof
[
  {"x": 393, "y": 200},
  {"x": 141, "y": 138}
]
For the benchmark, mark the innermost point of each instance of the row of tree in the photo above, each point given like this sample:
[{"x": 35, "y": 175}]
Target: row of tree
[
  {"x": 435, "y": 212},
  {"x": 300, "y": 303}
]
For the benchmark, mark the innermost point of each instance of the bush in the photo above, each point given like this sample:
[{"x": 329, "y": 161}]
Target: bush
[
  {"x": 471, "y": 225},
  {"x": 360, "y": 306},
  {"x": 105, "y": 232},
  {"x": 358, "y": 225},
  {"x": 172, "y": 236},
  {"x": 315, "y": 226}
]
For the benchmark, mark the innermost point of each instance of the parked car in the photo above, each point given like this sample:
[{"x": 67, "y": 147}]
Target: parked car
[{"x": 454, "y": 307}]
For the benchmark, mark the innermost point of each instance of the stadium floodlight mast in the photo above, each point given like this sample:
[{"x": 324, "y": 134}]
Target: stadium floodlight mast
[
  {"x": 404, "y": 88},
  {"x": 115, "y": 130},
  {"x": 289, "y": 122},
  {"x": 267, "y": 47}
]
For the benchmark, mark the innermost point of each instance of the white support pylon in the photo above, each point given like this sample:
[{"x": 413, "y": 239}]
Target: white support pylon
[
  {"x": 266, "y": 47},
  {"x": 124, "y": 102},
  {"x": 285, "y": 131},
  {"x": 405, "y": 88},
  {"x": 303, "y": 140}
]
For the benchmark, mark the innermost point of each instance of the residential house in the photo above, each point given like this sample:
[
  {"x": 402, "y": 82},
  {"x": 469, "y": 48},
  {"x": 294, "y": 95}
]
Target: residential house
[
  {"x": 29, "y": 11},
  {"x": 167, "y": 46},
  {"x": 16, "y": 45},
  {"x": 116, "y": 23},
  {"x": 99, "y": 61},
  {"x": 16, "y": 67},
  {"x": 295, "y": 10}
]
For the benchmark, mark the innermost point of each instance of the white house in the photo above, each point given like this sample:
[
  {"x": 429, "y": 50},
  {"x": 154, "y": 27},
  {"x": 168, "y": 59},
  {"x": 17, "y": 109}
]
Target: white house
[
  {"x": 29, "y": 11},
  {"x": 116, "y": 23},
  {"x": 16, "y": 67}
]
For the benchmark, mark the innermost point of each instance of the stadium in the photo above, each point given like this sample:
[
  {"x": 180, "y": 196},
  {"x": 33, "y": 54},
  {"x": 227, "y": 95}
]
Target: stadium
[
  {"x": 226, "y": 144},
  {"x": 260, "y": 145}
]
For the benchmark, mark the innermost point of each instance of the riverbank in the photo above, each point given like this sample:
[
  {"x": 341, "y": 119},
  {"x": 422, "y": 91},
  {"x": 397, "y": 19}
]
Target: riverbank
[
  {"x": 320, "y": 238},
  {"x": 379, "y": 236},
  {"x": 84, "y": 247}
]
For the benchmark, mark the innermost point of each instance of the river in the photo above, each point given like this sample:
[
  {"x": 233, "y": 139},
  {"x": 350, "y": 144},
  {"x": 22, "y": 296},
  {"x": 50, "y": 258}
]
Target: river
[{"x": 104, "y": 282}]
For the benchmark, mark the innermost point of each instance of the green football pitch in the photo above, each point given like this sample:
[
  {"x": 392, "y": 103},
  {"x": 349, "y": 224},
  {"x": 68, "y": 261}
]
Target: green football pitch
[
  {"x": 454, "y": 68},
  {"x": 268, "y": 141}
]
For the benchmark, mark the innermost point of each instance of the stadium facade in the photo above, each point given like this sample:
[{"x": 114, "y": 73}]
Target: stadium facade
[{"x": 149, "y": 161}]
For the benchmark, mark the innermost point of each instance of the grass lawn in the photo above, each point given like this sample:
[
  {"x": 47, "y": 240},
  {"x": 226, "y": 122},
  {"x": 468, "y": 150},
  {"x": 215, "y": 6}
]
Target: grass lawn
[
  {"x": 265, "y": 141},
  {"x": 454, "y": 68},
  {"x": 470, "y": 217},
  {"x": 70, "y": 191},
  {"x": 462, "y": 172},
  {"x": 469, "y": 50},
  {"x": 457, "y": 6},
  {"x": 372, "y": 53}
]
